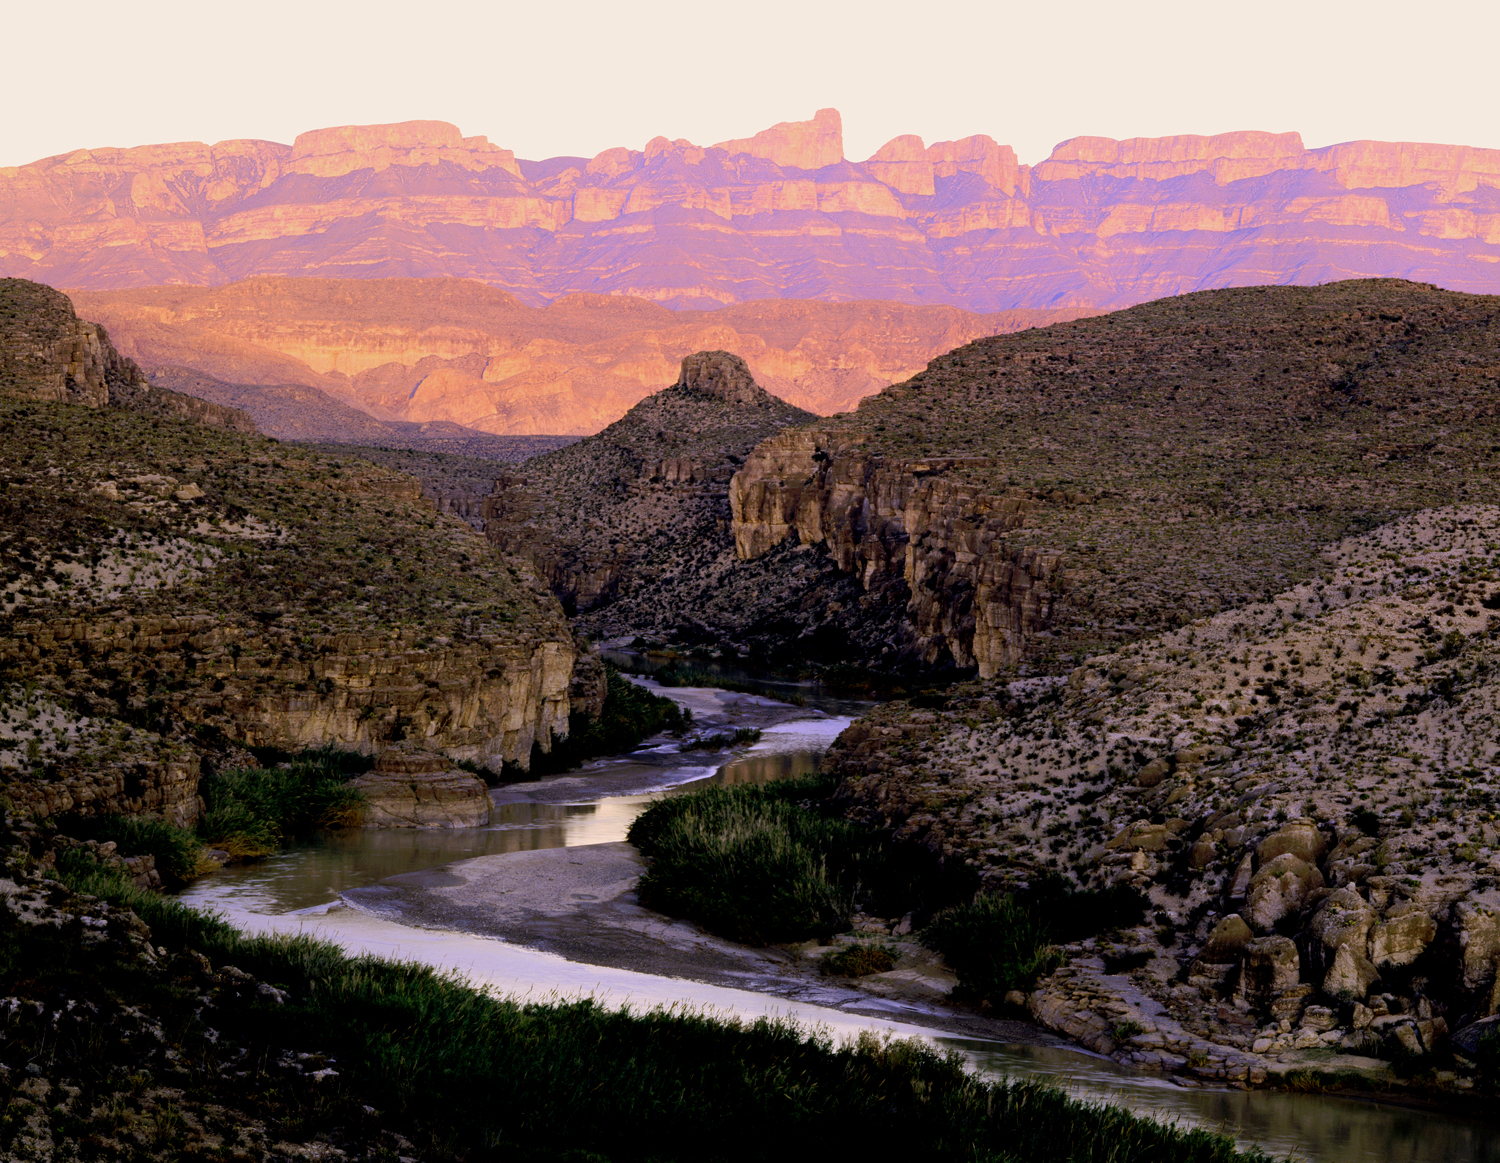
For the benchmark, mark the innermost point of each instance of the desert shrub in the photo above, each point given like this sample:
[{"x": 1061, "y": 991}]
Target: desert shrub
[
  {"x": 252, "y": 811},
  {"x": 994, "y": 944},
  {"x": 631, "y": 714},
  {"x": 178, "y": 853},
  {"x": 999, "y": 943}
]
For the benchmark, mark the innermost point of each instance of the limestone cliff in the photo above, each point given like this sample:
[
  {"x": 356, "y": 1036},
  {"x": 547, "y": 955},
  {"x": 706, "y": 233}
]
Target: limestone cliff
[
  {"x": 48, "y": 353},
  {"x": 1032, "y": 498},
  {"x": 1099, "y": 223},
  {"x": 171, "y": 592}
]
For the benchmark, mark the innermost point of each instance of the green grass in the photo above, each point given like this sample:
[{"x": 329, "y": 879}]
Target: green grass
[
  {"x": 466, "y": 1075},
  {"x": 178, "y": 852},
  {"x": 252, "y": 811},
  {"x": 631, "y": 715},
  {"x": 773, "y": 863},
  {"x": 997, "y": 943},
  {"x": 858, "y": 961}
]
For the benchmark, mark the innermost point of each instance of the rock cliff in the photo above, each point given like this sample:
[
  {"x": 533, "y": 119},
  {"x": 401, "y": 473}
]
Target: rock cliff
[
  {"x": 48, "y": 353},
  {"x": 171, "y": 592},
  {"x": 1033, "y": 498},
  {"x": 457, "y": 352},
  {"x": 1099, "y": 223}
]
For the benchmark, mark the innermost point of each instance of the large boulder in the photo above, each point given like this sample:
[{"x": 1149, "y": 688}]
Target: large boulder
[
  {"x": 1271, "y": 965},
  {"x": 412, "y": 788},
  {"x": 1227, "y": 940},
  {"x": 1401, "y": 936},
  {"x": 1300, "y": 837},
  {"x": 1279, "y": 888}
]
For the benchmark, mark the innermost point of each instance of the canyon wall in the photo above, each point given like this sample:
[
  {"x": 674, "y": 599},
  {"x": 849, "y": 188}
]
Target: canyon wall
[
  {"x": 974, "y": 602},
  {"x": 456, "y": 351},
  {"x": 782, "y": 214}
]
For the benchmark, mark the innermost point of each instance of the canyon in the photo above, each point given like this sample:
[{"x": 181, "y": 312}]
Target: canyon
[
  {"x": 781, "y": 215},
  {"x": 454, "y": 351}
]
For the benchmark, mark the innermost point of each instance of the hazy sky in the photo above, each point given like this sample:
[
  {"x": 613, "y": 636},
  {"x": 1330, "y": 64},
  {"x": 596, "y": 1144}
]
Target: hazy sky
[{"x": 580, "y": 77}]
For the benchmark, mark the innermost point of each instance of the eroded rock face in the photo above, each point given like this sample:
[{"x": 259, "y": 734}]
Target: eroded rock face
[
  {"x": 951, "y": 221},
  {"x": 1270, "y": 966},
  {"x": 414, "y": 788},
  {"x": 974, "y": 601}
]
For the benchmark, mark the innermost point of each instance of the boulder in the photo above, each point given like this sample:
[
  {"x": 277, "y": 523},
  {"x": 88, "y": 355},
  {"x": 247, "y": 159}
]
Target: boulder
[
  {"x": 1342, "y": 918},
  {"x": 1466, "y": 1041},
  {"x": 1301, "y": 838},
  {"x": 410, "y": 788},
  {"x": 1351, "y": 974},
  {"x": 1271, "y": 965},
  {"x": 1401, "y": 936},
  {"x": 1279, "y": 888},
  {"x": 1479, "y": 942},
  {"x": 1225, "y": 943}
]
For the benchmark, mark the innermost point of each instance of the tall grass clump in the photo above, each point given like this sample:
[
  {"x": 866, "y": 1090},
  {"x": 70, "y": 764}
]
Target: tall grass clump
[
  {"x": 252, "y": 811},
  {"x": 774, "y": 862},
  {"x": 997, "y": 943},
  {"x": 468, "y": 1075},
  {"x": 177, "y": 851}
]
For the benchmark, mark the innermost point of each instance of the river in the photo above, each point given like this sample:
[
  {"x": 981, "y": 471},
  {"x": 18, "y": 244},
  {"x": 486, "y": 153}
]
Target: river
[{"x": 301, "y": 890}]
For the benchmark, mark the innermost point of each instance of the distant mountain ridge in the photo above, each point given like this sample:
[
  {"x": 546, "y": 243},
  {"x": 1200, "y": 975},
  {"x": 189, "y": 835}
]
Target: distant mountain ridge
[
  {"x": 782, "y": 214},
  {"x": 424, "y": 351}
]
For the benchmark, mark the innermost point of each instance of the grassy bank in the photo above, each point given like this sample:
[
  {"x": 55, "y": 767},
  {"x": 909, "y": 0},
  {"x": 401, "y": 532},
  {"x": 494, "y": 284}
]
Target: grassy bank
[
  {"x": 467, "y": 1076},
  {"x": 775, "y": 862}
]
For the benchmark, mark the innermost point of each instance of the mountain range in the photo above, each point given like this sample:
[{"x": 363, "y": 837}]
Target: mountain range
[{"x": 783, "y": 214}]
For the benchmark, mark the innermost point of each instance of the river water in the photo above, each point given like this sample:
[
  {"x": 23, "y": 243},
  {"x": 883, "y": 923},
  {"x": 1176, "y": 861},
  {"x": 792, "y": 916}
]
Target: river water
[{"x": 299, "y": 891}]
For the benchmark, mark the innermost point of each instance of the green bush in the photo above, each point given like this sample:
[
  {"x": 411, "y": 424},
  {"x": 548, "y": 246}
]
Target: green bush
[
  {"x": 775, "y": 862},
  {"x": 999, "y": 943},
  {"x": 468, "y": 1075},
  {"x": 178, "y": 853},
  {"x": 252, "y": 811},
  {"x": 995, "y": 945},
  {"x": 858, "y": 961}
]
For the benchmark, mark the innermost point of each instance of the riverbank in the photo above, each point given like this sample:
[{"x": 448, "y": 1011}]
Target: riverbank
[{"x": 580, "y": 903}]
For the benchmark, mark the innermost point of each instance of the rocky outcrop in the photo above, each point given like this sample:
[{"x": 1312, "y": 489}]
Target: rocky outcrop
[
  {"x": 412, "y": 788},
  {"x": 975, "y": 601},
  {"x": 959, "y": 222},
  {"x": 600, "y": 519},
  {"x": 390, "y": 352},
  {"x": 48, "y": 353}
]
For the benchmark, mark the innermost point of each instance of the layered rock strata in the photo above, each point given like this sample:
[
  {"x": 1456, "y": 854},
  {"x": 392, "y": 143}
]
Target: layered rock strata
[
  {"x": 171, "y": 592},
  {"x": 455, "y": 352},
  {"x": 1036, "y": 497},
  {"x": 412, "y": 788},
  {"x": 1100, "y": 222}
]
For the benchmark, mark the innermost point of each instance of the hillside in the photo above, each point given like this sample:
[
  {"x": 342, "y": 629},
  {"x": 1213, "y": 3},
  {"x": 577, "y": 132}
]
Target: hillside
[
  {"x": 631, "y": 526},
  {"x": 1033, "y": 498},
  {"x": 783, "y": 214},
  {"x": 171, "y": 591},
  {"x": 1305, "y": 787},
  {"x": 456, "y": 351}
]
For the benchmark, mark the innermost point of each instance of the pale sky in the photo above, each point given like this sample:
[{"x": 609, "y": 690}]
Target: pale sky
[{"x": 579, "y": 77}]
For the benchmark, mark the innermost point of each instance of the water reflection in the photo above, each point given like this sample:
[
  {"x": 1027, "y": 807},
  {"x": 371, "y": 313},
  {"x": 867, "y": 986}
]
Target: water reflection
[{"x": 1314, "y": 1127}]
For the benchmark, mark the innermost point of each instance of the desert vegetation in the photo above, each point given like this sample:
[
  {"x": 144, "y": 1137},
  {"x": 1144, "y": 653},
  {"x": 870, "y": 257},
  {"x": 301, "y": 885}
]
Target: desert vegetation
[{"x": 235, "y": 1045}]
